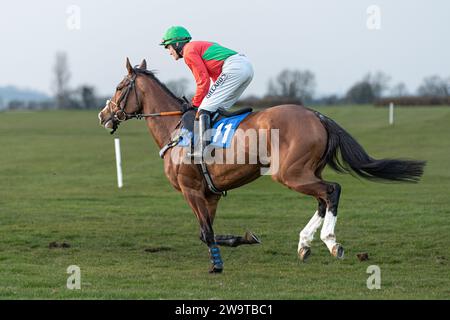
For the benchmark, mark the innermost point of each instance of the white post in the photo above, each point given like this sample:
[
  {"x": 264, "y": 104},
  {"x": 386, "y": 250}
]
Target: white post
[
  {"x": 391, "y": 113},
  {"x": 118, "y": 163}
]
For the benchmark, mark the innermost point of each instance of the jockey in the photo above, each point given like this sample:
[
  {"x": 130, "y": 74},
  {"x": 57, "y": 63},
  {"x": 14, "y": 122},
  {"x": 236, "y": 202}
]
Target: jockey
[{"x": 230, "y": 72}]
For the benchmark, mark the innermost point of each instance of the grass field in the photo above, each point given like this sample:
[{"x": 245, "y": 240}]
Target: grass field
[{"x": 58, "y": 183}]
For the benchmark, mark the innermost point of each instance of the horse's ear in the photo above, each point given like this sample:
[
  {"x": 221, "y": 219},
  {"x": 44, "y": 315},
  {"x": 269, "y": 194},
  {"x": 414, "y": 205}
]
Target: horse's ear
[
  {"x": 129, "y": 67},
  {"x": 143, "y": 65}
]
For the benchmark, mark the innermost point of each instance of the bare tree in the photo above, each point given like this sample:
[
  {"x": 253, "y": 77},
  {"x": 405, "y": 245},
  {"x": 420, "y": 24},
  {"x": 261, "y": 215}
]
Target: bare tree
[
  {"x": 360, "y": 92},
  {"x": 434, "y": 86},
  {"x": 379, "y": 81},
  {"x": 272, "y": 89},
  {"x": 293, "y": 84},
  {"x": 399, "y": 90},
  {"x": 61, "y": 80},
  {"x": 88, "y": 97}
]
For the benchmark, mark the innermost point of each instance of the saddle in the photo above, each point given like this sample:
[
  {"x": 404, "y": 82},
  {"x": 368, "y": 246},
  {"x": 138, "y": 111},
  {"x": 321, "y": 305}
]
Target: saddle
[
  {"x": 188, "y": 117},
  {"x": 187, "y": 121}
]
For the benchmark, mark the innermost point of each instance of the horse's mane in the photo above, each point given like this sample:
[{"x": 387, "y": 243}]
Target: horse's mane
[{"x": 152, "y": 75}]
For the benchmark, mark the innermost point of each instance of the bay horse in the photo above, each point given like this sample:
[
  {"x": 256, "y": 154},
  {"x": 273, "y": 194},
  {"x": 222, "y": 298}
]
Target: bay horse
[{"x": 307, "y": 142}]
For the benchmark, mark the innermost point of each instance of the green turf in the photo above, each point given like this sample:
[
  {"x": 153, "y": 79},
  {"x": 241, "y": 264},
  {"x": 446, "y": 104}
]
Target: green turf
[{"x": 58, "y": 183}]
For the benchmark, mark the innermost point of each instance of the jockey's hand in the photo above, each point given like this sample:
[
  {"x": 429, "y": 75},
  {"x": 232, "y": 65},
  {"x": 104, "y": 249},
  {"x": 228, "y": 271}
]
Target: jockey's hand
[{"x": 186, "y": 106}]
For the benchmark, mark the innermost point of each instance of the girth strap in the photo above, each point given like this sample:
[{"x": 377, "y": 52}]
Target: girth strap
[
  {"x": 164, "y": 149},
  {"x": 204, "y": 170},
  {"x": 202, "y": 167}
]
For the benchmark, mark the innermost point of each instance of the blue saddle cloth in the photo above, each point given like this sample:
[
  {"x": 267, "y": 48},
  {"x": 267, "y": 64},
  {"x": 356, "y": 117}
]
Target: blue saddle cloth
[{"x": 223, "y": 132}]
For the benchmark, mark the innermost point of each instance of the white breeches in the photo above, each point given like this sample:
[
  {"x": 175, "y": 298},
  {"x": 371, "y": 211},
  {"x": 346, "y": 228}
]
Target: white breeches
[{"x": 237, "y": 73}]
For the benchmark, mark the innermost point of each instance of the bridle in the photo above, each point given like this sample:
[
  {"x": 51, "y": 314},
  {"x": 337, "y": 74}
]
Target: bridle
[{"x": 118, "y": 114}]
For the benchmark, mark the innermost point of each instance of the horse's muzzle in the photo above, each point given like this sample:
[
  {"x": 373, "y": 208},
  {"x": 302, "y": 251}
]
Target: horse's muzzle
[
  {"x": 106, "y": 122},
  {"x": 109, "y": 124}
]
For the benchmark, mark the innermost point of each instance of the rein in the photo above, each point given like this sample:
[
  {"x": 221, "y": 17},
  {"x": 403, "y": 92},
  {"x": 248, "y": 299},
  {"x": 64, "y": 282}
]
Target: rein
[{"x": 159, "y": 114}]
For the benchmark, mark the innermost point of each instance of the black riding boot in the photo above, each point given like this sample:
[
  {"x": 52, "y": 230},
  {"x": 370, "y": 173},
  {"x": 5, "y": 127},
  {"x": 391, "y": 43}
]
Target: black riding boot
[{"x": 204, "y": 124}]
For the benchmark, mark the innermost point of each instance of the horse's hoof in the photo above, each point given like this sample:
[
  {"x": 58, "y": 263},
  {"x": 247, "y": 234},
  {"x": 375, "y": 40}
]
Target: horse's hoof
[
  {"x": 304, "y": 253},
  {"x": 251, "y": 238},
  {"x": 216, "y": 269},
  {"x": 338, "y": 251}
]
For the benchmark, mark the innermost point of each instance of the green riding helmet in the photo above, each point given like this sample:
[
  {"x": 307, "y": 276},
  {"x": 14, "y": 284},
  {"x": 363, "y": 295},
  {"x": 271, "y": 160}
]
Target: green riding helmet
[{"x": 174, "y": 35}]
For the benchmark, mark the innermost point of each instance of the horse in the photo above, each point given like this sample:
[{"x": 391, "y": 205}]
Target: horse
[{"x": 307, "y": 142}]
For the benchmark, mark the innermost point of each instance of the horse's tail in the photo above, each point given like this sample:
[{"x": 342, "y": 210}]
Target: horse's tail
[{"x": 354, "y": 159}]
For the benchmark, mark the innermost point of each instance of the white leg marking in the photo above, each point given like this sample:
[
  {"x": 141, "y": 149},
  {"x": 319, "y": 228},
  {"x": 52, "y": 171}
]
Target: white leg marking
[
  {"x": 327, "y": 233},
  {"x": 307, "y": 234}
]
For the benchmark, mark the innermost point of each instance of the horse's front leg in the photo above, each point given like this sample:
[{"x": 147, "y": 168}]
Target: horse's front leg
[
  {"x": 204, "y": 209},
  {"x": 228, "y": 240},
  {"x": 231, "y": 240},
  {"x": 207, "y": 234}
]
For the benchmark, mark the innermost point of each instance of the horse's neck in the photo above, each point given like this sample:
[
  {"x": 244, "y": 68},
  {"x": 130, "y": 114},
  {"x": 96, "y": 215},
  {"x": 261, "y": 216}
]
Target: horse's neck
[{"x": 156, "y": 99}]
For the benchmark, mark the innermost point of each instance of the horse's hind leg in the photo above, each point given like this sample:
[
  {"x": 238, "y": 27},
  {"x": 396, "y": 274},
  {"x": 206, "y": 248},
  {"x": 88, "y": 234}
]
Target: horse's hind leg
[
  {"x": 307, "y": 234},
  {"x": 327, "y": 233},
  {"x": 328, "y": 197}
]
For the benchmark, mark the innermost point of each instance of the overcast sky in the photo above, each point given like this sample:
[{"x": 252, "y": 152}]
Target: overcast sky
[{"x": 330, "y": 38}]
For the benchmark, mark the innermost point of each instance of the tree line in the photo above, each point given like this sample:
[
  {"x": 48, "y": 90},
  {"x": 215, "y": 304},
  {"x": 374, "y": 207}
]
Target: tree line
[
  {"x": 64, "y": 96},
  {"x": 298, "y": 87},
  {"x": 288, "y": 86}
]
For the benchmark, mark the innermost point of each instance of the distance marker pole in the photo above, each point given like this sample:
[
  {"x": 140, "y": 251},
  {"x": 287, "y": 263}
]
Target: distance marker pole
[{"x": 118, "y": 163}]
